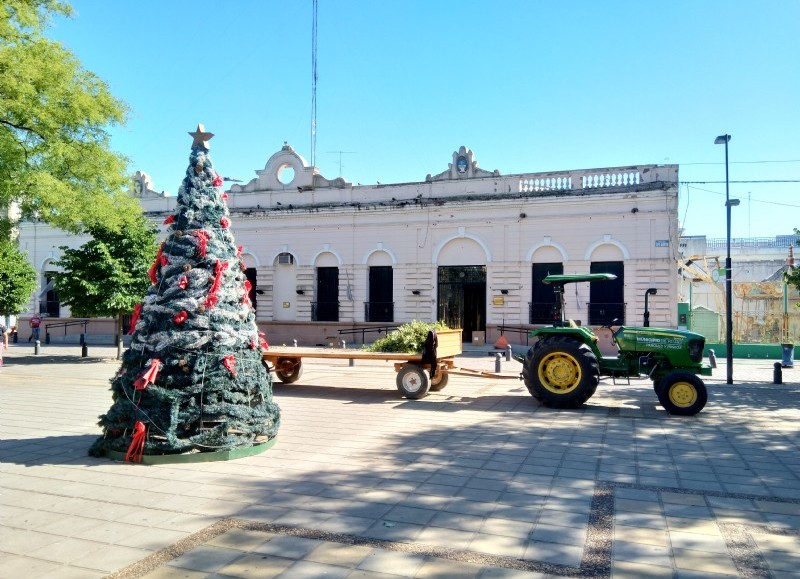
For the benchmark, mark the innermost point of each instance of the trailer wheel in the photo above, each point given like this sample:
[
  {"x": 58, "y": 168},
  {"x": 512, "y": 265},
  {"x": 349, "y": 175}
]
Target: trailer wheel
[
  {"x": 412, "y": 382},
  {"x": 288, "y": 370},
  {"x": 439, "y": 381},
  {"x": 561, "y": 372},
  {"x": 682, "y": 393}
]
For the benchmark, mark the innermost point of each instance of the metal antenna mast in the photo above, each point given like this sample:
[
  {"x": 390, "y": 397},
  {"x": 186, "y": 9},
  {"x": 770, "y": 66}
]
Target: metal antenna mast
[
  {"x": 340, "y": 153},
  {"x": 313, "y": 82}
]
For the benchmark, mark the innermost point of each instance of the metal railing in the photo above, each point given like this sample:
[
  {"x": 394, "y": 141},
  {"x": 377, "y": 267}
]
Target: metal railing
[
  {"x": 542, "y": 313},
  {"x": 503, "y": 328},
  {"x": 379, "y": 311},
  {"x": 364, "y": 330},
  {"x": 602, "y": 314},
  {"x": 324, "y": 311},
  {"x": 65, "y": 325}
]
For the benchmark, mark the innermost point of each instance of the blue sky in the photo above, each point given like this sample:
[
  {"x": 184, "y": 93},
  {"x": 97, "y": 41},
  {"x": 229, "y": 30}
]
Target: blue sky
[{"x": 528, "y": 85}]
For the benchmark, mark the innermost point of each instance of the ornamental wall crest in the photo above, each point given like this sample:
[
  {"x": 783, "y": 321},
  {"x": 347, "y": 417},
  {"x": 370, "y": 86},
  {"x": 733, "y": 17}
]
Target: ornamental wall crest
[{"x": 464, "y": 166}]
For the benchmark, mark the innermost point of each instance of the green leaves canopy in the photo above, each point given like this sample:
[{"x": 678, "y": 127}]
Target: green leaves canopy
[
  {"x": 17, "y": 279},
  {"x": 55, "y": 160},
  {"x": 107, "y": 276}
]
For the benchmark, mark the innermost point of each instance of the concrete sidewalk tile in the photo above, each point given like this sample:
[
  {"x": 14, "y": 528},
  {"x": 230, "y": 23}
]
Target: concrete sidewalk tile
[
  {"x": 339, "y": 554},
  {"x": 563, "y": 518},
  {"x": 150, "y": 539},
  {"x": 436, "y": 568},
  {"x": 641, "y": 553},
  {"x": 634, "y": 570},
  {"x": 110, "y": 558},
  {"x": 241, "y": 539},
  {"x": 500, "y": 545},
  {"x": 65, "y": 549},
  {"x": 702, "y": 526},
  {"x": 748, "y": 517},
  {"x": 703, "y": 561},
  {"x": 448, "y": 538},
  {"x": 287, "y": 546},
  {"x": 687, "y": 511},
  {"x": 559, "y": 534},
  {"x": 302, "y": 518},
  {"x": 345, "y": 524},
  {"x": 783, "y": 521},
  {"x": 399, "y": 563},
  {"x": 306, "y": 569},
  {"x": 16, "y": 567},
  {"x": 460, "y": 521},
  {"x": 391, "y": 531},
  {"x": 683, "y": 499},
  {"x": 557, "y": 554},
  {"x": 634, "y": 506},
  {"x": 503, "y": 573},
  {"x": 252, "y": 565},
  {"x": 768, "y": 506},
  {"x": 206, "y": 558},
  {"x": 72, "y": 573},
  {"x": 698, "y": 542},
  {"x": 773, "y": 542},
  {"x": 630, "y": 534},
  {"x": 410, "y": 515},
  {"x": 786, "y": 561},
  {"x": 507, "y": 527}
]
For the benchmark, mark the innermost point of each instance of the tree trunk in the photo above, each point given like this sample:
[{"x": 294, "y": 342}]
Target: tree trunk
[{"x": 119, "y": 336}]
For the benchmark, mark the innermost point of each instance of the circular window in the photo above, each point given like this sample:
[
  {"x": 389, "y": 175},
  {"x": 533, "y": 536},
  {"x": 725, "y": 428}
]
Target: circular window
[{"x": 286, "y": 174}]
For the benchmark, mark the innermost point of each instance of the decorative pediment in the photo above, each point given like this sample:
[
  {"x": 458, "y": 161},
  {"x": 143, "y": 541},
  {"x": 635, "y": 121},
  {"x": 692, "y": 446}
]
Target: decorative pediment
[
  {"x": 142, "y": 186},
  {"x": 464, "y": 166},
  {"x": 288, "y": 170}
]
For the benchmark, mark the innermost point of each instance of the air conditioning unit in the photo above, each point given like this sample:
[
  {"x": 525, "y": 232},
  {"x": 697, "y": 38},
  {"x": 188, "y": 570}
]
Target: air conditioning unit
[{"x": 285, "y": 259}]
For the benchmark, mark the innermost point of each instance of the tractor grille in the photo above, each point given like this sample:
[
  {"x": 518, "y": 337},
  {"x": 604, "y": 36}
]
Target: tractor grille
[{"x": 695, "y": 348}]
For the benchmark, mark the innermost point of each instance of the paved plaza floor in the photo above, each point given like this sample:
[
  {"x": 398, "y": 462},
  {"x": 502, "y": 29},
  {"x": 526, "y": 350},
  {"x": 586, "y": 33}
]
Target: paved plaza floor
[{"x": 476, "y": 480}]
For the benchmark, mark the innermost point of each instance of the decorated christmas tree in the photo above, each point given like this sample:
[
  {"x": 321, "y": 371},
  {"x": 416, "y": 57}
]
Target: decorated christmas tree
[{"x": 192, "y": 380}]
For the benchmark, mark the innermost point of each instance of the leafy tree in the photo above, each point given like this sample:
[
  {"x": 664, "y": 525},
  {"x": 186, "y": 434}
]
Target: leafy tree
[
  {"x": 55, "y": 160},
  {"x": 17, "y": 279},
  {"x": 108, "y": 275}
]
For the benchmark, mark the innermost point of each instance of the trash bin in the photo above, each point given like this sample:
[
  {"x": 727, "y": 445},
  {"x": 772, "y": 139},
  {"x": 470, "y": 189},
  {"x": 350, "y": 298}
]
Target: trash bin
[{"x": 788, "y": 355}]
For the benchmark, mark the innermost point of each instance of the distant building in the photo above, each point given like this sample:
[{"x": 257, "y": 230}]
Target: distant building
[{"x": 464, "y": 245}]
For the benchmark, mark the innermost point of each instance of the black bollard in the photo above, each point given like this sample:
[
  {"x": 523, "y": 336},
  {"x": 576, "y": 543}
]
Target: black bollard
[
  {"x": 508, "y": 354},
  {"x": 84, "y": 350},
  {"x": 497, "y": 361},
  {"x": 36, "y": 347},
  {"x": 777, "y": 373}
]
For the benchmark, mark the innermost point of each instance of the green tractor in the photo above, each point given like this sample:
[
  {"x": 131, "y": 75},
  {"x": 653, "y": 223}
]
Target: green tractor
[{"x": 563, "y": 368}]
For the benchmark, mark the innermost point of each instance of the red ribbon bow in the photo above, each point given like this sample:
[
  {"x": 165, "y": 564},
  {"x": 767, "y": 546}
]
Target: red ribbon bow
[
  {"x": 230, "y": 363},
  {"x": 217, "y": 182},
  {"x": 225, "y": 222},
  {"x": 169, "y": 219},
  {"x": 183, "y": 282},
  {"x": 180, "y": 317},
  {"x": 202, "y": 241},
  {"x": 149, "y": 377},
  {"x": 137, "y": 310},
  {"x": 136, "y": 449}
]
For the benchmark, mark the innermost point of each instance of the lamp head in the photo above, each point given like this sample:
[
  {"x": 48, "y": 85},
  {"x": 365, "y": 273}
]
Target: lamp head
[
  {"x": 732, "y": 202},
  {"x": 722, "y": 139},
  {"x": 652, "y": 291}
]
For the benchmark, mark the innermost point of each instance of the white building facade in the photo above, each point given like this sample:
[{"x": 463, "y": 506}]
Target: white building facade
[{"x": 466, "y": 246}]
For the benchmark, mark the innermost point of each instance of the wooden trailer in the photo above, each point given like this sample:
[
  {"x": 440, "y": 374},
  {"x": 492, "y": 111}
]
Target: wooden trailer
[{"x": 412, "y": 373}]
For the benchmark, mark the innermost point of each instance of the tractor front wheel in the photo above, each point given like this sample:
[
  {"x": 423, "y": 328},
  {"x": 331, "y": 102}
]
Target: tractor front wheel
[
  {"x": 682, "y": 393},
  {"x": 561, "y": 372}
]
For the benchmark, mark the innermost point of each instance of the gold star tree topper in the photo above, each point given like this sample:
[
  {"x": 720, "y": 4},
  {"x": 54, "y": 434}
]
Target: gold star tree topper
[{"x": 201, "y": 137}]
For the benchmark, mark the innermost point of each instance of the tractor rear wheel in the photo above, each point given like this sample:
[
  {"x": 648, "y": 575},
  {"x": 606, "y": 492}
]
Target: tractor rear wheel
[
  {"x": 561, "y": 372},
  {"x": 682, "y": 393}
]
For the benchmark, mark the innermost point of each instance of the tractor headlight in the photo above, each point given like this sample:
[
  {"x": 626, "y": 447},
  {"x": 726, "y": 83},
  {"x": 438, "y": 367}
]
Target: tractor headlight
[{"x": 696, "y": 347}]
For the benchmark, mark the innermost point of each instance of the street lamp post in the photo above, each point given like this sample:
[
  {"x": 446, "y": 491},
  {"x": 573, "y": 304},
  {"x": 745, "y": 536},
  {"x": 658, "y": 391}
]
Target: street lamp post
[{"x": 724, "y": 139}]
